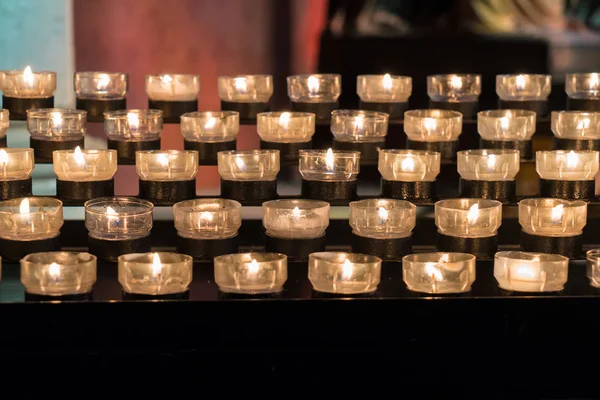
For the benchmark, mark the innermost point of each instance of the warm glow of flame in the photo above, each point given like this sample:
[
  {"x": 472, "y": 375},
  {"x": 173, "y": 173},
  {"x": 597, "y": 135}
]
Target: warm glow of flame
[
  {"x": 240, "y": 164},
  {"x": 57, "y": 120},
  {"x": 429, "y": 124},
  {"x": 383, "y": 215},
  {"x": 156, "y": 265},
  {"x": 210, "y": 123},
  {"x": 284, "y": 120},
  {"x": 133, "y": 119},
  {"x": 408, "y": 165},
  {"x": 504, "y": 123},
  {"x": 329, "y": 160},
  {"x": 313, "y": 84},
  {"x": 28, "y": 76},
  {"x": 473, "y": 214},
  {"x": 536, "y": 259},
  {"x": 456, "y": 82},
  {"x": 557, "y": 214},
  {"x": 520, "y": 82},
  {"x": 296, "y": 212},
  {"x": 110, "y": 211},
  {"x": 386, "y": 82},
  {"x": 359, "y": 122},
  {"x": 163, "y": 160},
  {"x": 572, "y": 159},
  {"x": 24, "y": 206},
  {"x": 433, "y": 272},
  {"x": 253, "y": 267},
  {"x": 594, "y": 81},
  {"x": 444, "y": 258},
  {"x": 347, "y": 269},
  {"x": 240, "y": 84},
  {"x": 79, "y": 157},
  {"x": 3, "y": 157},
  {"x": 583, "y": 124},
  {"x": 524, "y": 272},
  {"x": 54, "y": 271},
  {"x": 206, "y": 216},
  {"x": 166, "y": 78},
  {"x": 491, "y": 162},
  {"x": 103, "y": 81}
]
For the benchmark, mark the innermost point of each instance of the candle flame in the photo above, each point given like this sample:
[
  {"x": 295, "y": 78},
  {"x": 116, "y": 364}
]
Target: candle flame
[
  {"x": 572, "y": 159},
  {"x": 583, "y": 124},
  {"x": 456, "y": 82},
  {"x": 3, "y": 157},
  {"x": 24, "y": 206},
  {"x": 433, "y": 272},
  {"x": 557, "y": 214},
  {"x": 206, "y": 216},
  {"x": 329, "y": 160},
  {"x": 240, "y": 164},
  {"x": 110, "y": 211},
  {"x": 594, "y": 81},
  {"x": 523, "y": 271},
  {"x": 133, "y": 119},
  {"x": 347, "y": 269},
  {"x": 313, "y": 85},
  {"x": 210, "y": 123},
  {"x": 359, "y": 122},
  {"x": 473, "y": 214},
  {"x": 296, "y": 212},
  {"x": 504, "y": 123},
  {"x": 156, "y": 265},
  {"x": 383, "y": 215},
  {"x": 253, "y": 267},
  {"x": 386, "y": 82},
  {"x": 103, "y": 81},
  {"x": 429, "y": 124},
  {"x": 79, "y": 157},
  {"x": 408, "y": 165},
  {"x": 284, "y": 120},
  {"x": 166, "y": 78},
  {"x": 240, "y": 84},
  {"x": 520, "y": 82},
  {"x": 491, "y": 162},
  {"x": 28, "y": 76},
  {"x": 54, "y": 271},
  {"x": 57, "y": 119},
  {"x": 163, "y": 160}
]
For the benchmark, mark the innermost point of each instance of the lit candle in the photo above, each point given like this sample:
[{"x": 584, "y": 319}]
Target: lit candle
[
  {"x": 295, "y": 219},
  {"x": 210, "y": 126},
  {"x": 4, "y": 124},
  {"x": 251, "y": 273},
  {"x": 30, "y": 218},
  {"x": 316, "y": 93},
  {"x": 359, "y": 126},
  {"x": 84, "y": 165},
  {"x": 468, "y": 218},
  {"x": 118, "y": 218},
  {"x": 329, "y": 165},
  {"x": 530, "y": 272},
  {"x": 432, "y": 125},
  {"x": 173, "y": 87},
  {"x": 439, "y": 273},
  {"x": 552, "y": 217},
  {"x": 583, "y": 86},
  {"x": 100, "y": 85},
  {"x": 133, "y": 125},
  {"x": 382, "y": 218},
  {"x": 593, "y": 267},
  {"x": 488, "y": 165},
  {"x": 383, "y": 88},
  {"x": 207, "y": 218},
  {"x": 248, "y": 165},
  {"x": 506, "y": 125},
  {"x": 166, "y": 165},
  {"x": 285, "y": 127},
  {"x": 16, "y": 164},
  {"x": 246, "y": 88},
  {"x": 576, "y": 126},
  {"x": 28, "y": 84},
  {"x": 409, "y": 165},
  {"x": 581, "y": 165},
  {"x": 523, "y": 87},
  {"x": 454, "y": 88},
  {"x": 344, "y": 273},
  {"x": 56, "y": 124},
  {"x": 155, "y": 273},
  {"x": 58, "y": 273}
]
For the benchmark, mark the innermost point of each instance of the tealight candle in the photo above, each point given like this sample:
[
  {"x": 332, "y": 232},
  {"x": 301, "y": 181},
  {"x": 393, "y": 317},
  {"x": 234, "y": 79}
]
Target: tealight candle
[
  {"x": 26, "y": 90},
  {"x": 317, "y": 93},
  {"x": 329, "y": 175},
  {"x": 521, "y": 271},
  {"x": 524, "y": 92},
  {"x": 439, "y": 273},
  {"x": 209, "y": 132},
  {"x": 382, "y": 227},
  {"x": 246, "y": 94},
  {"x": 384, "y": 93},
  {"x": 249, "y": 176},
  {"x": 4, "y": 124},
  {"x": 251, "y": 273},
  {"x": 295, "y": 227},
  {"x": 288, "y": 132},
  {"x": 99, "y": 92},
  {"x": 16, "y": 166},
  {"x": 552, "y": 225},
  {"x": 118, "y": 225},
  {"x": 457, "y": 92},
  {"x": 567, "y": 174},
  {"x": 593, "y": 267},
  {"x": 55, "y": 129},
  {"x": 129, "y": 131},
  {"x": 409, "y": 174},
  {"x": 84, "y": 174},
  {"x": 155, "y": 274},
  {"x": 29, "y": 225},
  {"x": 583, "y": 91},
  {"x": 207, "y": 228},
  {"x": 58, "y": 274},
  {"x": 468, "y": 226},
  {"x": 362, "y": 131},
  {"x": 488, "y": 174},
  {"x": 344, "y": 273},
  {"x": 173, "y": 94},
  {"x": 576, "y": 130},
  {"x": 507, "y": 129},
  {"x": 167, "y": 176},
  {"x": 433, "y": 130}
]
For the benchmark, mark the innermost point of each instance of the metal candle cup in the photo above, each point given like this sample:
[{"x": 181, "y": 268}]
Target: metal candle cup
[
  {"x": 439, "y": 273},
  {"x": 530, "y": 272},
  {"x": 155, "y": 274},
  {"x": 251, "y": 273}
]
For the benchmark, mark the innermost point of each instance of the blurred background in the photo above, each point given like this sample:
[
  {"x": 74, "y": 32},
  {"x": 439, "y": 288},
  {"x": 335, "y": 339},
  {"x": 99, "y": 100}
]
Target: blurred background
[{"x": 284, "y": 37}]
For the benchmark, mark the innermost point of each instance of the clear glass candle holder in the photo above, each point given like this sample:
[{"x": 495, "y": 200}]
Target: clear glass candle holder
[
  {"x": 56, "y": 124},
  {"x": 248, "y": 165},
  {"x": 382, "y": 218},
  {"x": 210, "y": 126},
  {"x": 58, "y": 273},
  {"x": 207, "y": 218},
  {"x": 409, "y": 165},
  {"x": 523, "y": 87},
  {"x": 133, "y": 125},
  {"x": 251, "y": 273},
  {"x": 30, "y": 218},
  {"x": 84, "y": 165},
  {"x": 16, "y": 164},
  {"x": 4, "y": 122},
  {"x": 118, "y": 218},
  {"x": 166, "y": 165},
  {"x": 468, "y": 218},
  {"x": 344, "y": 273},
  {"x": 383, "y": 88},
  {"x": 577, "y": 125},
  {"x": 172, "y": 87},
  {"x": 552, "y": 217},
  {"x": 28, "y": 84},
  {"x": 593, "y": 267},
  {"x": 488, "y": 164},
  {"x": 506, "y": 125},
  {"x": 359, "y": 126},
  {"x": 285, "y": 127},
  {"x": 583, "y": 85},
  {"x": 439, "y": 273},
  {"x": 329, "y": 165},
  {"x": 432, "y": 125},
  {"x": 295, "y": 219},
  {"x": 521, "y": 271},
  {"x": 246, "y": 88},
  {"x": 315, "y": 88},
  {"x": 571, "y": 165},
  {"x": 454, "y": 88},
  {"x": 100, "y": 85},
  {"x": 155, "y": 274}
]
